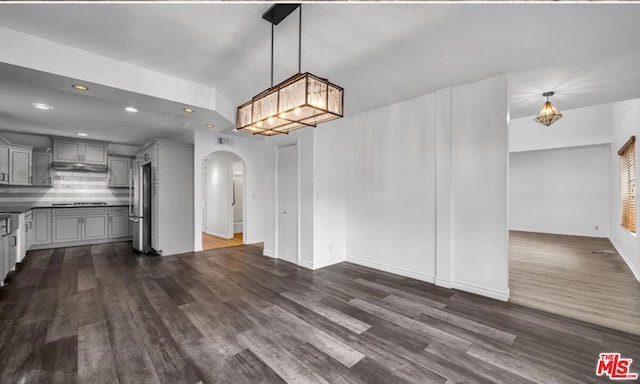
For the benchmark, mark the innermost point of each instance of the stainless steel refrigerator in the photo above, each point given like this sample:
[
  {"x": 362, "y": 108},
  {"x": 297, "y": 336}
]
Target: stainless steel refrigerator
[{"x": 140, "y": 208}]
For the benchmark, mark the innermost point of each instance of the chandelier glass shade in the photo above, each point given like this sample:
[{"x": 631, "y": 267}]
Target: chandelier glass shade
[
  {"x": 549, "y": 114},
  {"x": 303, "y": 100}
]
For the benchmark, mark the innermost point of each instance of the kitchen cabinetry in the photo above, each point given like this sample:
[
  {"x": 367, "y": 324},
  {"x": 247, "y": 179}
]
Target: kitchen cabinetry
[
  {"x": 41, "y": 167},
  {"x": 26, "y": 233},
  {"x": 41, "y": 226},
  {"x": 86, "y": 152},
  {"x": 118, "y": 222},
  {"x": 3, "y": 259},
  {"x": 150, "y": 155},
  {"x": 75, "y": 224},
  {"x": 19, "y": 165},
  {"x": 118, "y": 174},
  {"x": 4, "y": 164}
]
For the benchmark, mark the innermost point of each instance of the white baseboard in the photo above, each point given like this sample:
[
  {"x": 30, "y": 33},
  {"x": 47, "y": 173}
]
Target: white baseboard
[
  {"x": 327, "y": 263},
  {"x": 487, "y": 292},
  {"x": 633, "y": 268},
  {"x": 198, "y": 249},
  {"x": 446, "y": 283},
  {"x": 391, "y": 269},
  {"x": 251, "y": 241},
  {"x": 268, "y": 253},
  {"x": 305, "y": 264}
]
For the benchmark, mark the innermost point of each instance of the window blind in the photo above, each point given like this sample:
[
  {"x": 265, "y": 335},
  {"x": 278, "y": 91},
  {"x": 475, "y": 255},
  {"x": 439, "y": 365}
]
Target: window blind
[{"x": 627, "y": 156}]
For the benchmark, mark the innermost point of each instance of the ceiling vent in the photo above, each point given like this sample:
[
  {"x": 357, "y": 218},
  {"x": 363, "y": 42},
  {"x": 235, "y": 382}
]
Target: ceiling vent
[{"x": 224, "y": 141}]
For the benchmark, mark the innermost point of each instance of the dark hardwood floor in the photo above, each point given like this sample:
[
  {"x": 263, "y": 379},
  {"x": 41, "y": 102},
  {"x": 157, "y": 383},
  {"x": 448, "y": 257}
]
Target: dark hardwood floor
[{"x": 101, "y": 314}]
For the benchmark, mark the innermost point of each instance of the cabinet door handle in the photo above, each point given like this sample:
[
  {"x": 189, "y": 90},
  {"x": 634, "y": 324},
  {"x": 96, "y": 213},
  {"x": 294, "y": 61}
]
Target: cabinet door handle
[
  {"x": 2, "y": 176},
  {"x": 15, "y": 241},
  {"x": 30, "y": 179},
  {"x": 146, "y": 157}
]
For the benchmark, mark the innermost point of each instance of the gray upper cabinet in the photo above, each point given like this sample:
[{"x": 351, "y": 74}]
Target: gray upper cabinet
[
  {"x": 94, "y": 153},
  {"x": 79, "y": 151},
  {"x": 4, "y": 164},
  {"x": 66, "y": 150},
  {"x": 41, "y": 167},
  {"x": 119, "y": 171},
  {"x": 19, "y": 165}
]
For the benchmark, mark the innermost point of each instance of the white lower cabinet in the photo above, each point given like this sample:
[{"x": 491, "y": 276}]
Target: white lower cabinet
[
  {"x": 41, "y": 226},
  {"x": 4, "y": 259},
  {"x": 118, "y": 222},
  {"x": 95, "y": 227},
  {"x": 66, "y": 228},
  {"x": 75, "y": 224}
]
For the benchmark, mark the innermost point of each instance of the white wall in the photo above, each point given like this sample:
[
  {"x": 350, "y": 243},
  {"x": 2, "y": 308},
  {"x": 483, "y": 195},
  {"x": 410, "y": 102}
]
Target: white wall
[
  {"x": 251, "y": 151},
  {"x": 218, "y": 199},
  {"x": 479, "y": 232},
  {"x": 578, "y": 127},
  {"x": 330, "y": 185},
  {"x": 238, "y": 190},
  {"x": 562, "y": 191},
  {"x": 385, "y": 178},
  {"x": 624, "y": 124},
  {"x": 390, "y": 189}
]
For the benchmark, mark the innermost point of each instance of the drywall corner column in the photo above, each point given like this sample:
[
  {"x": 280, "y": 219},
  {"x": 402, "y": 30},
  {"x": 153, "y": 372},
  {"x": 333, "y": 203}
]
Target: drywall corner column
[
  {"x": 479, "y": 172},
  {"x": 330, "y": 151},
  {"x": 443, "y": 186}
]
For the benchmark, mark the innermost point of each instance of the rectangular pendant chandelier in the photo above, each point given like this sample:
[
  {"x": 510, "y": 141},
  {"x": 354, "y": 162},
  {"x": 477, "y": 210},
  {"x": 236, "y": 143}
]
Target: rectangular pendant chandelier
[{"x": 303, "y": 100}]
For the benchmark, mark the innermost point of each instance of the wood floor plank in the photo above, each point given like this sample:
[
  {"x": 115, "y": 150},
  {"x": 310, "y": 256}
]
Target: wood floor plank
[
  {"x": 338, "y": 317},
  {"x": 104, "y": 314},
  {"x": 324, "y": 342},
  {"x": 414, "y": 325},
  {"x": 95, "y": 359},
  {"x": 252, "y": 369}
]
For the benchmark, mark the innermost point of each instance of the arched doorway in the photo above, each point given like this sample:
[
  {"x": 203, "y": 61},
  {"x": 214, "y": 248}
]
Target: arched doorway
[{"x": 223, "y": 200}]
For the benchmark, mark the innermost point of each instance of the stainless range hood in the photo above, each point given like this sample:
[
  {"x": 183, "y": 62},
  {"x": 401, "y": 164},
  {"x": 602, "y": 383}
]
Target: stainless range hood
[{"x": 79, "y": 167}]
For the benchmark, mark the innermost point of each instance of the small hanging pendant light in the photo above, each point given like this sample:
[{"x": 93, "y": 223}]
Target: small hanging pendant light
[{"x": 549, "y": 113}]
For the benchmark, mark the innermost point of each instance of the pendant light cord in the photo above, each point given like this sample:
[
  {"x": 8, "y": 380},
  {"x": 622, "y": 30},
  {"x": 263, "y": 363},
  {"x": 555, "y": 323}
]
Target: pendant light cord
[
  {"x": 272, "y": 53},
  {"x": 300, "y": 40}
]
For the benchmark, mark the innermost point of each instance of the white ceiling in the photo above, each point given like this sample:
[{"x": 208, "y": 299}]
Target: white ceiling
[
  {"x": 380, "y": 53},
  {"x": 98, "y": 112}
]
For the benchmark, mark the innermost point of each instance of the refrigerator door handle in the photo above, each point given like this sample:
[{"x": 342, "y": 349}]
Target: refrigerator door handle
[{"x": 130, "y": 191}]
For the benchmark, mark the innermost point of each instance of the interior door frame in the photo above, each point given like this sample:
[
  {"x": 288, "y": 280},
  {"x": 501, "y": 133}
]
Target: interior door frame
[{"x": 277, "y": 200}]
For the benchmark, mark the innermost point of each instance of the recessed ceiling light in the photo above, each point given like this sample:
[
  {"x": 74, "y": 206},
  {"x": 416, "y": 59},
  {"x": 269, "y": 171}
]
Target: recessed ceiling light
[
  {"x": 131, "y": 109},
  {"x": 42, "y": 106},
  {"x": 82, "y": 134},
  {"x": 209, "y": 125},
  {"x": 80, "y": 87},
  {"x": 188, "y": 110}
]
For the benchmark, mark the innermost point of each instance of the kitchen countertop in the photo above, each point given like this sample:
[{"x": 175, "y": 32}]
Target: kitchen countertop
[{"x": 23, "y": 207}]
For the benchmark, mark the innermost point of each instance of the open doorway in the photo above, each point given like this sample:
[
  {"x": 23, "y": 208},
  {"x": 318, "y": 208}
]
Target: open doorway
[
  {"x": 564, "y": 215},
  {"x": 223, "y": 205}
]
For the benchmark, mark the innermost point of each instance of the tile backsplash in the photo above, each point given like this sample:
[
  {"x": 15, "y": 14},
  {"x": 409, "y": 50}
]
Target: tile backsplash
[{"x": 68, "y": 186}]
